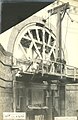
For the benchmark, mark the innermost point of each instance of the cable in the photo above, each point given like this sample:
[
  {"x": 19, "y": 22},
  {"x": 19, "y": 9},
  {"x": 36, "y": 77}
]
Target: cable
[
  {"x": 72, "y": 20},
  {"x": 70, "y": 17},
  {"x": 66, "y": 37}
]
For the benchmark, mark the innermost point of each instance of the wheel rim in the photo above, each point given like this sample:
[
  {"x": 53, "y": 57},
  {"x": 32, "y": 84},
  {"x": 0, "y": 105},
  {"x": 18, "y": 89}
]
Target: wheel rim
[{"x": 35, "y": 42}]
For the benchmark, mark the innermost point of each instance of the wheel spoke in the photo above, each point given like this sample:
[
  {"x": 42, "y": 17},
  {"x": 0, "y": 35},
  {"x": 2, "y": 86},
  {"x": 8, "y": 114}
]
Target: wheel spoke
[
  {"x": 49, "y": 39},
  {"x": 37, "y": 35},
  {"x": 52, "y": 49},
  {"x": 24, "y": 52},
  {"x": 35, "y": 45},
  {"x": 26, "y": 37}
]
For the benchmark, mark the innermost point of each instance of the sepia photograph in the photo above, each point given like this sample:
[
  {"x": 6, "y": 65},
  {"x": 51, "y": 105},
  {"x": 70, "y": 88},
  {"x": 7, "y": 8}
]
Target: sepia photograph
[{"x": 38, "y": 60}]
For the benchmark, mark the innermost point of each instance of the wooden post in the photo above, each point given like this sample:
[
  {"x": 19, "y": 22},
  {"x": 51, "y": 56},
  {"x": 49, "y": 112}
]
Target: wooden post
[
  {"x": 58, "y": 40},
  {"x": 14, "y": 90},
  {"x": 58, "y": 10},
  {"x": 14, "y": 96}
]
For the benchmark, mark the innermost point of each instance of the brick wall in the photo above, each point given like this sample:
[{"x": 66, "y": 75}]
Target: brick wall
[{"x": 6, "y": 100}]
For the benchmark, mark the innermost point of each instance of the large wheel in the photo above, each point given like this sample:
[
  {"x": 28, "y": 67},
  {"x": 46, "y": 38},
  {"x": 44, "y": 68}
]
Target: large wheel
[{"x": 34, "y": 43}]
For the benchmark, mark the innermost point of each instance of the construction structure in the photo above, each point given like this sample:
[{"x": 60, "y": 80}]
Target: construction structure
[{"x": 39, "y": 80}]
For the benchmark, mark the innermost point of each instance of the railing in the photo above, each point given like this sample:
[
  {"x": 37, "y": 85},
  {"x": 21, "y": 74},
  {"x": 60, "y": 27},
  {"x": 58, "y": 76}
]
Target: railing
[
  {"x": 60, "y": 69},
  {"x": 48, "y": 67}
]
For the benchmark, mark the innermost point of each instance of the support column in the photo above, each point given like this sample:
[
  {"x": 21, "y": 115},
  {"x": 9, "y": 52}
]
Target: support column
[
  {"x": 49, "y": 104},
  {"x": 14, "y": 90},
  {"x": 58, "y": 39}
]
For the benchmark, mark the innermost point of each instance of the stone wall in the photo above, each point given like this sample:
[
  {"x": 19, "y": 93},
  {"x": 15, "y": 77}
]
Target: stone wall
[
  {"x": 6, "y": 100},
  {"x": 71, "y": 100}
]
